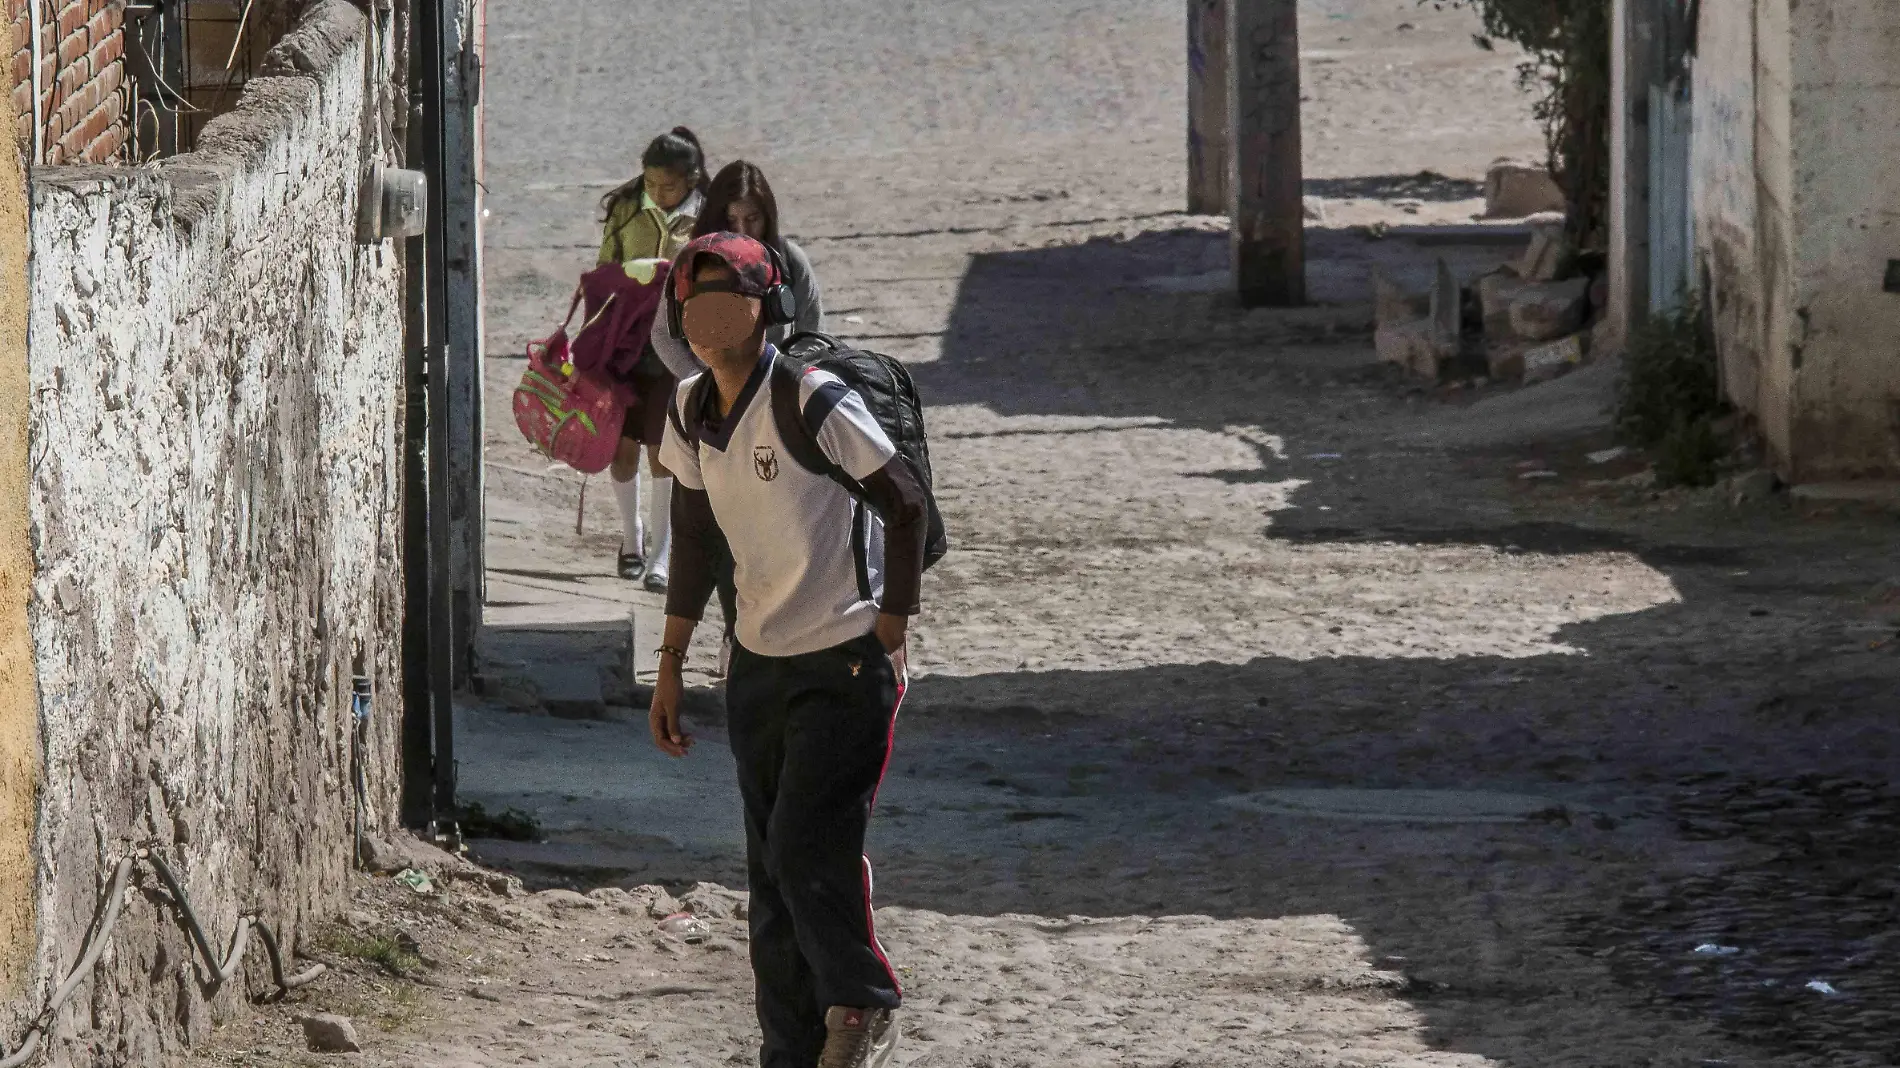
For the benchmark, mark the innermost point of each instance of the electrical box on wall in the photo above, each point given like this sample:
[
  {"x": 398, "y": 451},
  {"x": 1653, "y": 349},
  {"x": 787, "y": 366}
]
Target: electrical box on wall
[{"x": 393, "y": 204}]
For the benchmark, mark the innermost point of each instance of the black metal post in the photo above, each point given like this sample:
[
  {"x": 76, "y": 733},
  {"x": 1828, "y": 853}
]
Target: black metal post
[
  {"x": 430, "y": 61},
  {"x": 428, "y": 646},
  {"x": 418, "y": 726}
]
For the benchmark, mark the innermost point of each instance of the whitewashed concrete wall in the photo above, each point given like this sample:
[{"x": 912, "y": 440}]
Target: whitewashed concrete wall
[
  {"x": 1844, "y": 162},
  {"x": 216, "y": 378},
  {"x": 1797, "y": 214}
]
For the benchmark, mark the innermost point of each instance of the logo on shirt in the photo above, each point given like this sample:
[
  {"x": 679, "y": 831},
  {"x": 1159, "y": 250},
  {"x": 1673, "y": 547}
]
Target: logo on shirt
[{"x": 765, "y": 462}]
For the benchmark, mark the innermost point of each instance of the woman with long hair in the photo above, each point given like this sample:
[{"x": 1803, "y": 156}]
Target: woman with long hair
[
  {"x": 648, "y": 220},
  {"x": 740, "y": 200}
]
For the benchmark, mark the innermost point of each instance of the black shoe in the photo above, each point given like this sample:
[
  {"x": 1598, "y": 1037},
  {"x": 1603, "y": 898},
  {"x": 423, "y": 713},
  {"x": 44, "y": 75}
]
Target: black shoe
[
  {"x": 656, "y": 581},
  {"x": 632, "y": 566}
]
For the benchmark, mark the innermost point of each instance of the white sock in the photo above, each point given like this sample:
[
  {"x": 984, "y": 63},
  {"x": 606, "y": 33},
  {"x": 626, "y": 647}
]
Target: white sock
[
  {"x": 660, "y": 524},
  {"x": 627, "y": 496}
]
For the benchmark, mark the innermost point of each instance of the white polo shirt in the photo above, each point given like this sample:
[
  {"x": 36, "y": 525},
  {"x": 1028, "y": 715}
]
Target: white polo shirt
[{"x": 807, "y": 557}]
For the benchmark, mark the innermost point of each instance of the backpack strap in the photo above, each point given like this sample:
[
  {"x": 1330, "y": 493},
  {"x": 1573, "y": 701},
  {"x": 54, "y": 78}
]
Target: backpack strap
[
  {"x": 800, "y": 440},
  {"x": 830, "y": 342}
]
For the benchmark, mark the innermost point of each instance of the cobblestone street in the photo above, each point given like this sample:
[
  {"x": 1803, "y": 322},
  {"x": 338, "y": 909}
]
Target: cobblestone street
[{"x": 1198, "y": 553}]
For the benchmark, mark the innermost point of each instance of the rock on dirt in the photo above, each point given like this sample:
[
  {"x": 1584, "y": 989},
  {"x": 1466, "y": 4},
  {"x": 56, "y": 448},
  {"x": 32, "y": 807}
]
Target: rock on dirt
[
  {"x": 403, "y": 850},
  {"x": 383, "y": 855},
  {"x": 1419, "y": 347},
  {"x": 328, "y": 1033},
  {"x": 1546, "y": 362},
  {"x": 1516, "y": 188},
  {"x": 1545, "y": 257},
  {"x": 566, "y": 900},
  {"x": 1549, "y": 310},
  {"x": 712, "y": 901},
  {"x": 652, "y": 901}
]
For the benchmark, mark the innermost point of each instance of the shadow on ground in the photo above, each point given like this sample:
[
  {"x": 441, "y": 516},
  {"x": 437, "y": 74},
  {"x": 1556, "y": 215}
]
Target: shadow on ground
[
  {"x": 1722, "y": 853},
  {"x": 1720, "y": 767},
  {"x": 1142, "y": 326},
  {"x": 1424, "y": 185}
]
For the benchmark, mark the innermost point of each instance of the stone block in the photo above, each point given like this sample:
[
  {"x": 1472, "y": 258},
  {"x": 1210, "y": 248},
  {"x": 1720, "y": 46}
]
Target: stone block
[
  {"x": 1417, "y": 346},
  {"x": 1505, "y": 360},
  {"x": 1546, "y": 362},
  {"x": 1496, "y": 291},
  {"x": 1545, "y": 257},
  {"x": 1516, "y": 188},
  {"x": 1605, "y": 342},
  {"x": 1547, "y": 311},
  {"x": 1392, "y": 305},
  {"x": 1447, "y": 303},
  {"x": 569, "y": 691}
]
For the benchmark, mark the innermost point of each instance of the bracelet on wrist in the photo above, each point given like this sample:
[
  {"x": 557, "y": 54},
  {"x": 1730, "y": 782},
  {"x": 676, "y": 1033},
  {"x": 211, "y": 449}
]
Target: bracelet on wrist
[{"x": 674, "y": 652}]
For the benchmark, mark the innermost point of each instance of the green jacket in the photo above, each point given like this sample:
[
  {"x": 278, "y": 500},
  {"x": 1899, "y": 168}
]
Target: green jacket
[{"x": 637, "y": 229}]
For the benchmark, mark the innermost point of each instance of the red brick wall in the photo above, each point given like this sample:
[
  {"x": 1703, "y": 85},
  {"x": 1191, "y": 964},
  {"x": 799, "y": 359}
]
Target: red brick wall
[{"x": 82, "y": 79}]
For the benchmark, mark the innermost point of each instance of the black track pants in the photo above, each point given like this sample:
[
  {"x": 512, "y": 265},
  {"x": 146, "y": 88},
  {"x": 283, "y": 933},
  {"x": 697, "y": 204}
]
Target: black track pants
[{"x": 811, "y": 736}]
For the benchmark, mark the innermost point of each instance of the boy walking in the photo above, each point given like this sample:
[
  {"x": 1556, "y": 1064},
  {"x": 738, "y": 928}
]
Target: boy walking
[{"x": 824, "y": 592}]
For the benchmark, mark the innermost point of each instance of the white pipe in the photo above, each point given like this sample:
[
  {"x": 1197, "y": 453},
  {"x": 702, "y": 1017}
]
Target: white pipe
[{"x": 39, "y": 103}]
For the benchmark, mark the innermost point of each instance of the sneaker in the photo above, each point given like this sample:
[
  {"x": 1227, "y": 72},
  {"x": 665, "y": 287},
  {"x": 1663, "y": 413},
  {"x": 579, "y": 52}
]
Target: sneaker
[
  {"x": 632, "y": 566},
  {"x": 656, "y": 581},
  {"x": 858, "y": 1038}
]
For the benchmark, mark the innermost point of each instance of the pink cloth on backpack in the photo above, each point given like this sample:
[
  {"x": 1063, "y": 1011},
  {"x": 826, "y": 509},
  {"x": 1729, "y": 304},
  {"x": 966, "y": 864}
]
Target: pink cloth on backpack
[{"x": 619, "y": 314}]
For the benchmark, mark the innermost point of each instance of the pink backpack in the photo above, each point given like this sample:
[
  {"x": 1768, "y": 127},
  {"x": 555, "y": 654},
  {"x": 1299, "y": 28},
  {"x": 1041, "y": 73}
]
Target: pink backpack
[{"x": 568, "y": 416}]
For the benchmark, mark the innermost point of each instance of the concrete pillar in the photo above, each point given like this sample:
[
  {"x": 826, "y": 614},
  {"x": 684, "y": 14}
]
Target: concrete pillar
[
  {"x": 1634, "y": 58},
  {"x": 1208, "y": 129},
  {"x": 1264, "y": 173}
]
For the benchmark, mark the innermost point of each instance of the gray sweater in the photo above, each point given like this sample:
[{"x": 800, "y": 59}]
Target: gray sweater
[{"x": 678, "y": 357}]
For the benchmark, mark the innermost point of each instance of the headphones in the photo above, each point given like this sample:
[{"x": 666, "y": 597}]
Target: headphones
[{"x": 778, "y": 307}]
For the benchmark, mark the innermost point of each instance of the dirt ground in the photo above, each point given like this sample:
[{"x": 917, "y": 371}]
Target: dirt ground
[{"x": 1199, "y": 553}]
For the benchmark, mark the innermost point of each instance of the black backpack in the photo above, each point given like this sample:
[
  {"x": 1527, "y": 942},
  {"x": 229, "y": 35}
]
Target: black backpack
[{"x": 885, "y": 386}]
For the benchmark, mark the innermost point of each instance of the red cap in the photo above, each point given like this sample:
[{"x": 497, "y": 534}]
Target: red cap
[{"x": 748, "y": 258}]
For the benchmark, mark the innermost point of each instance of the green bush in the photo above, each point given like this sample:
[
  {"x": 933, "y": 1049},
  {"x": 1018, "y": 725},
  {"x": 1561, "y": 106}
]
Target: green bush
[
  {"x": 1670, "y": 397},
  {"x": 1690, "y": 454},
  {"x": 1669, "y": 378}
]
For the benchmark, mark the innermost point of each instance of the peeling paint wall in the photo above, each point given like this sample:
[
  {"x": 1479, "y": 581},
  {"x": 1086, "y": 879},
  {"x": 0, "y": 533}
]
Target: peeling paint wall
[
  {"x": 215, "y": 377},
  {"x": 1796, "y": 217}
]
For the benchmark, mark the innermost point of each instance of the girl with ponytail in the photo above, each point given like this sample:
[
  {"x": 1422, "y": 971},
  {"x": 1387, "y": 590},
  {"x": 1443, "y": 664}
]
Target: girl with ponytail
[{"x": 650, "y": 219}]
